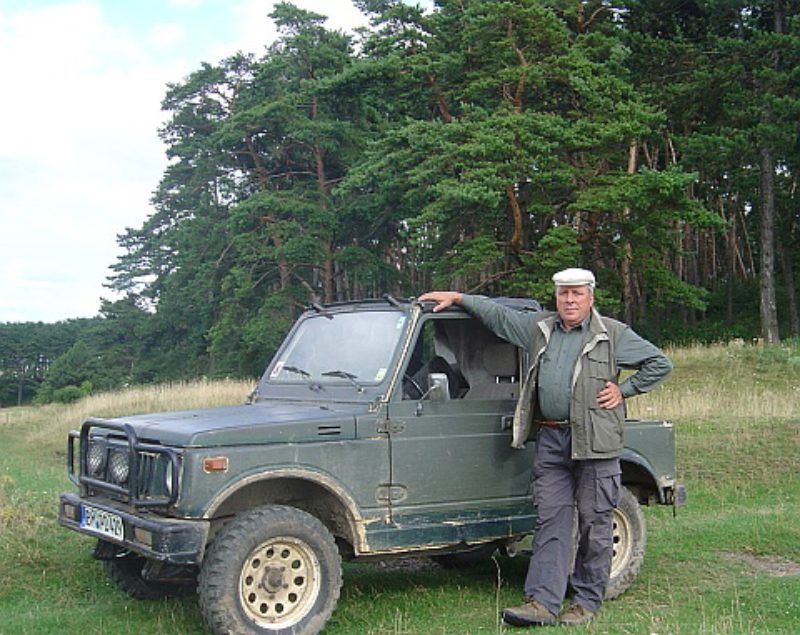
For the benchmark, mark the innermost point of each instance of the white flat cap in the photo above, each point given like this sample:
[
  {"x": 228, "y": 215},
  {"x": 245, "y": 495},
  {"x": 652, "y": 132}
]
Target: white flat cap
[{"x": 574, "y": 278}]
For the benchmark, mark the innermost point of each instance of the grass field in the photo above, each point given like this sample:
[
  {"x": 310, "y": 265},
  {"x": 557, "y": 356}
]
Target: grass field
[{"x": 729, "y": 563}]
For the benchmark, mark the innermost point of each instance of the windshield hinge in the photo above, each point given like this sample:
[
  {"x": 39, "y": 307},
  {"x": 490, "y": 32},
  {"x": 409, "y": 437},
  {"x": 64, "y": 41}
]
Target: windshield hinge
[{"x": 321, "y": 310}]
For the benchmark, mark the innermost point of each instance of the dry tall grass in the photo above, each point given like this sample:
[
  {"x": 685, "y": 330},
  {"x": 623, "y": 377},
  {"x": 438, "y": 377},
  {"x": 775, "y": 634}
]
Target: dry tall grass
[
  {"x": 46, "y": 421},
  {"x": 725, "y": 381}
]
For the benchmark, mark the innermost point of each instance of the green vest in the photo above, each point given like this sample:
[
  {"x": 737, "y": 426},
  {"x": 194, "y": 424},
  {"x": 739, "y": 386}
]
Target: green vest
[{"x": 596, "y": 433}]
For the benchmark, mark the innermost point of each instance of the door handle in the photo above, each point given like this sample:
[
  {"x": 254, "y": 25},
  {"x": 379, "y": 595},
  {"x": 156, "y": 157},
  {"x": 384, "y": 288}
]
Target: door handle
[{"x": 506, "y": 422}]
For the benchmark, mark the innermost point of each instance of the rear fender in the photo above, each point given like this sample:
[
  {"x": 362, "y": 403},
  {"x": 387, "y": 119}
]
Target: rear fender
[{"x": 639, "y": 476}]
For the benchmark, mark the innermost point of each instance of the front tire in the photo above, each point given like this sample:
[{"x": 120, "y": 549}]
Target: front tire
[
  {"x": 630, "y": 542},
  {"x": 125, "y": 571},
  {"x": 272, "y": 570}
]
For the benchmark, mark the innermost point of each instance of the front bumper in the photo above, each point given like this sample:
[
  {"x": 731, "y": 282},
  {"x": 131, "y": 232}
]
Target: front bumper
[{"x": 175, "y": 541}]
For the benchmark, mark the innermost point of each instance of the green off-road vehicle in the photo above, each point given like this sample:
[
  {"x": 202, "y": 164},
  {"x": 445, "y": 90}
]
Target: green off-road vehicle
[{"x": 380, "y": 428}]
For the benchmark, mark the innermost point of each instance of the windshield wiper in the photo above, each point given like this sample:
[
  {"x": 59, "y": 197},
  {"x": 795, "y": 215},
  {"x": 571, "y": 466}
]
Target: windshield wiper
[
  {"x": 304, "y": 374},
  {"x": 345, "y": 375}
]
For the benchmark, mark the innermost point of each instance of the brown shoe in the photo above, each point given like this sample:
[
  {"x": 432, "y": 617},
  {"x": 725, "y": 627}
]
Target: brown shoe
[
  {"x": 576, "y": 615},
  {"x": 532, "y": 613}
]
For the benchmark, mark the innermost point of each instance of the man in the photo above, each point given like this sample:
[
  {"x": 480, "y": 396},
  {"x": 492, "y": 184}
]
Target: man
[{"x": 572, "y": 404}]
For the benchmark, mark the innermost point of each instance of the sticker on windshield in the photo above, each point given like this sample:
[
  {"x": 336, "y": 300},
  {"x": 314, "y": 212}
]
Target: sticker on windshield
[
  {"x": 400, "y": 321},
  {"x": 277, "y": 370},
  {"x": 380, "y": 374}
]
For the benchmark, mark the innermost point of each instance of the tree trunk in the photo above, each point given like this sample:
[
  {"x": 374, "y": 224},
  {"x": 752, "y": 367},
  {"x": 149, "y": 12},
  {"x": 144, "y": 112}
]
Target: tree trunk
[
  {"x": 628, "y": 291},
  {"x": 516, "y": 216},
  {"x": 788, "y": 281},
  {"x": 441, "y": 103},
  {"x": 732, "y": 250},
  {"x": 769, "y": 305},
  {"x": 20, "y": 386}
]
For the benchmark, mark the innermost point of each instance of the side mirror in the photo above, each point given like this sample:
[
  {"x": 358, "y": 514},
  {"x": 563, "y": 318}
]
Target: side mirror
[
  {"x": 438, "y": 390},
  {"x": 438, "y": 387}
]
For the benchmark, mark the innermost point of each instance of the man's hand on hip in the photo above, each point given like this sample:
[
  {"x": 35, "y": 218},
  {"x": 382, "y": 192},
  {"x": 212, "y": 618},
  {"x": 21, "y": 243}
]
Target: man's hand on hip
[{"x": 610, "y": 397}]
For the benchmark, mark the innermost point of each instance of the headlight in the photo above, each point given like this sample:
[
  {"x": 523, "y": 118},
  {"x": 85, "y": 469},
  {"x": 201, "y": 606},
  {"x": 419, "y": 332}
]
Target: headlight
[
  {"x": 96, "y": 459},
  {"x": 119, "y": 466}
]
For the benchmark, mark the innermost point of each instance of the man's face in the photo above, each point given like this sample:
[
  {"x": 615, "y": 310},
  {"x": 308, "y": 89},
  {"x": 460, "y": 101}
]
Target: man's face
[{"x": 574, "y": 304}]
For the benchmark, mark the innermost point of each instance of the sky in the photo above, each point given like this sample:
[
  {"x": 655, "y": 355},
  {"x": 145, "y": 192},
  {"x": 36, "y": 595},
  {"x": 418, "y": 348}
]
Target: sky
[{"x": 80, "y": 110}]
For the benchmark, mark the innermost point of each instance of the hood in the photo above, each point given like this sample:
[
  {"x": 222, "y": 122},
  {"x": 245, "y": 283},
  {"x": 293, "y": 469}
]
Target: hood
[{"x": 262, "y": 422}]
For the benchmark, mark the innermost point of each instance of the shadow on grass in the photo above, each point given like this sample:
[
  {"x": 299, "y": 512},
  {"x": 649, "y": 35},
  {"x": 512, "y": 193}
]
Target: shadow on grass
[
  {"x": 416, "y": 595},
  {"x": 402, "y": 574}
]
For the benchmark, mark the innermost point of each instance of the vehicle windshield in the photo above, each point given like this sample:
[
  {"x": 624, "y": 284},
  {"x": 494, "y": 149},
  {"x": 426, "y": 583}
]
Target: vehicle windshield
[{"x": 341, "y": 348}]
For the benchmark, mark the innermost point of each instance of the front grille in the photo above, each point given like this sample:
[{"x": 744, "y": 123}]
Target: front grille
[
  {"x": 113, "y": 461},
  {"x": 145, "y": 473}
]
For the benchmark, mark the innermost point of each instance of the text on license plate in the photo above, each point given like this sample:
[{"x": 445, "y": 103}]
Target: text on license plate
[{"x": 102, "y": 522}]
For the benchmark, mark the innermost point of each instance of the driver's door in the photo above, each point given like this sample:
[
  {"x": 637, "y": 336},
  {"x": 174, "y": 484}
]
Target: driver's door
[{"x": 452, "y": 465}]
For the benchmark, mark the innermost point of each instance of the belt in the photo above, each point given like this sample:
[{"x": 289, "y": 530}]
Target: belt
[{"x": 549, "y": 423}]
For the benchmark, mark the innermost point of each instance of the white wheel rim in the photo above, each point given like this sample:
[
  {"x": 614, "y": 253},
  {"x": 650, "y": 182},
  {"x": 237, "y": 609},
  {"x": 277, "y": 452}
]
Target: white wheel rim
[
  {"x": 280, "y": 582},
  {"x": 622, "y": 543}
]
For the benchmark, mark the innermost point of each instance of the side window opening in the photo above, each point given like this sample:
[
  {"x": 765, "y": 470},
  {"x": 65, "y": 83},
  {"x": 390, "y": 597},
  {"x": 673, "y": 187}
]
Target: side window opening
[
  {"x": 478, "y": 364},
  {"x": 432, "y": 355}
]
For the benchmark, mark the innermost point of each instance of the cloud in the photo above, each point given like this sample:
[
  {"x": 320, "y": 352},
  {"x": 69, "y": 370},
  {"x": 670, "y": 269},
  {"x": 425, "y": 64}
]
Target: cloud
[
  {"x": 255, "y": 30},
  {"x": 192, "y": 4},
  {"x": 344, "y": 16},
  {"x": 79, "y": 151},
  {"x": 80, "y": 154},
  {"x": 167, "y": 35}
]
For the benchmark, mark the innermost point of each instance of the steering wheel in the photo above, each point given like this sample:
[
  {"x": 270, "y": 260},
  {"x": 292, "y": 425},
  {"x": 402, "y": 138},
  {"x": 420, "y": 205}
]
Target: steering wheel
[{"x": 411, "y": 382}]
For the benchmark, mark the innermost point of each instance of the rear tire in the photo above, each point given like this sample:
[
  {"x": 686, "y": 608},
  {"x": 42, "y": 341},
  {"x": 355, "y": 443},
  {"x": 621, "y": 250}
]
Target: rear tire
[
  {"x": 272, "y": 570},
  {"x": 630, "y": 542}
]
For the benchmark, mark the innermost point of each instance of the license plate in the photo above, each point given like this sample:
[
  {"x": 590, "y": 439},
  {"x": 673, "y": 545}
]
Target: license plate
[{"x": 102, "y": 522}]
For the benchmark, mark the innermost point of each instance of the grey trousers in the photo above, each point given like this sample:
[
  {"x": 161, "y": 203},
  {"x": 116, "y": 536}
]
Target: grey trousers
[{"x": 563, "y": 486}]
